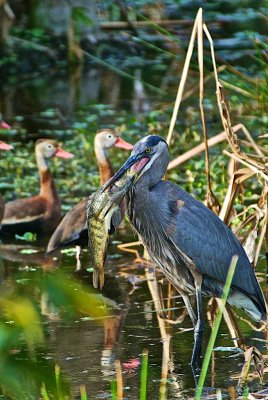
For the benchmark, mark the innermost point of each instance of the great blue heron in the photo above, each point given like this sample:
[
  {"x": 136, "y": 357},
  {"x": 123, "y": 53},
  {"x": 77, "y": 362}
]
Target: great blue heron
[{"x": 190, "y": 244}]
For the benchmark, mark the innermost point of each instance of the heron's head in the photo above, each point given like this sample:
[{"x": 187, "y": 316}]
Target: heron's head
[{"x": 149, "y": 153}]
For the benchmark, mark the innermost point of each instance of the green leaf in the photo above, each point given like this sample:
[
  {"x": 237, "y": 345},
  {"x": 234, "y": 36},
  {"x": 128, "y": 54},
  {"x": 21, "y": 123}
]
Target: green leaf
[
  {"x": 79, "y": 14},
  {"x": 28, "y": 237}
]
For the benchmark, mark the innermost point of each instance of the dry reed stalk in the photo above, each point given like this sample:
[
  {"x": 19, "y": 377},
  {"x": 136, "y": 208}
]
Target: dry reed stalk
[
  {"x": 254, "y": 230},
  {"x": 250, "y": 139},
  {"x": 235, "y": 186},
  {"x": 126, "y": 247},
  {"x": 220, "y": 137},
  {"x": 119, "y": 380},
  {"x": 256, "y": 221},
  {"x": 211, "y": 199},
  {"x": 251, "y": 354},
  {"x": 255, "y": 169},
  {"x": 225, "y": 114},
  {"x": 165, "y": 330},
  {"x": 263, "y": 205},
  {"x": 206, "y": 79},
  {"x": 196, "y": 150},
  {"x": 183, "y": 78}
]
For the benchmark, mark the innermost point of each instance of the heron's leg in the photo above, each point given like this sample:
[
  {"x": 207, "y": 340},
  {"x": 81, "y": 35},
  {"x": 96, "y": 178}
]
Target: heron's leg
[
  {"x": 199, "y": 327},
  {"x": 189, "y": 307}
]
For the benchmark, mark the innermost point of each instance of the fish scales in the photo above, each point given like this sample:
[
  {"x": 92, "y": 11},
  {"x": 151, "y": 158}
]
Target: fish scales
[{"x": 103, "y": 211}]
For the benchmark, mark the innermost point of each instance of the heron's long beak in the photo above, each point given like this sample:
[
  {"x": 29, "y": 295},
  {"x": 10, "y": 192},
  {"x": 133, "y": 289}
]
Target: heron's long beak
[{"x": 125, "y": 167}]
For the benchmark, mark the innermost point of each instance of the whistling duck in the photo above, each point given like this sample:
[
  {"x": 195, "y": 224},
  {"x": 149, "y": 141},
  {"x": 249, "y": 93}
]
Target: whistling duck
[
  {"x": 3, "y": 146},
  {"x": 39, "y": 213},
  {"x": 74, "y": 226}
]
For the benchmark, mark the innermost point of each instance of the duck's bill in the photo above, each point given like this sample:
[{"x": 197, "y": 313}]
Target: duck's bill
[
  {"x": 4, "y": 125},
  {"x": 5, "y": 146},
  {"x": 62, "y": 153},
  {"x": 135, "y": 163},
  {"x": 122, "y": 144}
]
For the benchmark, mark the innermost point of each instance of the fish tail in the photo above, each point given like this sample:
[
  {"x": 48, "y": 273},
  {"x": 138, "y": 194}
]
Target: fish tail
[
  {"x": 101, "y": 278},
  {"x": 95, "y": 278},
  {"x": 98, "y": 278}
]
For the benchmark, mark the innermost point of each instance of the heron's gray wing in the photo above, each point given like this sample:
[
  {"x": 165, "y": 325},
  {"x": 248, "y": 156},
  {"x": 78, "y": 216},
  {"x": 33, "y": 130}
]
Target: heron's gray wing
[{"x": 203, "y": 237}]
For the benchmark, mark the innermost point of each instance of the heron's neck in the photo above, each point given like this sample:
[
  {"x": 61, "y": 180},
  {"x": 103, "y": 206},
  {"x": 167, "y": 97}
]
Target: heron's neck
[
  {"x": 138, "y": 200},
  {"x": 105, "y": 166}
]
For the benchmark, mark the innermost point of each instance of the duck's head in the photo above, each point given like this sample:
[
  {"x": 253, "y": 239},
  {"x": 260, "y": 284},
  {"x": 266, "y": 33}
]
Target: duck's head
[
  {"x": 107, "y": 138},
  {"x": 50, "y": 148}
]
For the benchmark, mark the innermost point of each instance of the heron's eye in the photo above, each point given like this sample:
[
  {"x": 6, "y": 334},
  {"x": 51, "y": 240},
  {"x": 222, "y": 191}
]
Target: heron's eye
[
  {"x": 109, "y": 136},
  {"x": 148, "y": 150}
]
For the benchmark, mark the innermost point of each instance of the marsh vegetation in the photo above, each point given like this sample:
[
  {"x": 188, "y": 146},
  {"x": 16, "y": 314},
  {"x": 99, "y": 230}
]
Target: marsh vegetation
[{"x": 119, "y": 66}]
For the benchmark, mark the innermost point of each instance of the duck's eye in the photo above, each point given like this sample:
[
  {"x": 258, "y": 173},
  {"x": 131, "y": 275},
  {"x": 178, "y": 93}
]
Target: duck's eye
[
  {"x": 49, "y": 146},
  {"x": 109, "y": 136},
  {"x": 148, "y": 150}
]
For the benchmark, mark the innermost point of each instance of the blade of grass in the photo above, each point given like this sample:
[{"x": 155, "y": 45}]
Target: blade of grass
[
  {"x": 215, "y": 328},
  {"x": 124, "y": 74},
  {"x": 151, "y": 46},
  {"x": 159, "y": 28},
  {"x": 219, "y": 395},
  {"x": 245, "y": 393},
  {"x": 83, "y": 392},
  {"x": 44, "y": 392},
  {"x": 57, "y": 378},
  {"x": 144, "y": 371},
  {"x": 113, "y": 388}
]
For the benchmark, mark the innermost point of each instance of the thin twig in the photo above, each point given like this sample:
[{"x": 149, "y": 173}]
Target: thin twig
[
  {"x": 252, "y": 167},
  {"x": 183, "y": 80}
]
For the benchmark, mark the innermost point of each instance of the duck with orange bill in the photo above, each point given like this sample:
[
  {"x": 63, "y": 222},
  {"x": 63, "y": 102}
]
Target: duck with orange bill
[
  {"x": 73, "y": 227},
  {"x": 40, "y": 213}
]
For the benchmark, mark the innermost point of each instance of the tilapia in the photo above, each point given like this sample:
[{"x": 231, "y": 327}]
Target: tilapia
[{"x": 103, "y": 217}]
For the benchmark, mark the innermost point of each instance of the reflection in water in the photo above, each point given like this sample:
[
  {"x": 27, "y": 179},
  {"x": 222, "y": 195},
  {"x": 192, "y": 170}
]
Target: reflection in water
[
  {"x": 69, "y": 92},
  {"x": 26, "y": 255},
  {"x": 153, "y": 319}
]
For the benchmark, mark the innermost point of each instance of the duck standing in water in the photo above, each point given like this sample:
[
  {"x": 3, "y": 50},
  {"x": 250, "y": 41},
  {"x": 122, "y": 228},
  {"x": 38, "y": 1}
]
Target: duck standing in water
[
  {"x": 3, "y": 146},
  {"x": 74, "y": 225},
  {"x": 39, "y": 213}
]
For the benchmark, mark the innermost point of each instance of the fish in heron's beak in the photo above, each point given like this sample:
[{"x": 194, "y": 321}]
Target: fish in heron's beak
[
  {"x": 135, "y": 163},
  {"x": 103, "y": 217}
]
